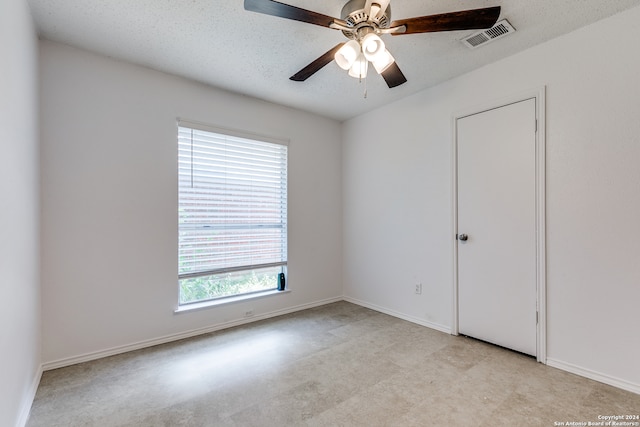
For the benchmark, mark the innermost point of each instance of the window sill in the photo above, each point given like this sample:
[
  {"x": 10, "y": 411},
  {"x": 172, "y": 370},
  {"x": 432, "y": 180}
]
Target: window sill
[{"x": 224, "y": 301}]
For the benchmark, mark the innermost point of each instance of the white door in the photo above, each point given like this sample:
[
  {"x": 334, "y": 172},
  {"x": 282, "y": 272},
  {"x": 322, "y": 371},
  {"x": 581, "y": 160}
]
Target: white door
[{"x": 497, "y": 217}]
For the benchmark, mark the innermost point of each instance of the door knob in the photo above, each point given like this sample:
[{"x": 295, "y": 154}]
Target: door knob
[{"x": 463, "y": 237}]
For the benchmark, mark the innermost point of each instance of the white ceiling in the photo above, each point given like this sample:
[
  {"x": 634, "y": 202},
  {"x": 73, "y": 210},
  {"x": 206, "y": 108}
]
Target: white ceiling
[{"x": 218, "y": 43}]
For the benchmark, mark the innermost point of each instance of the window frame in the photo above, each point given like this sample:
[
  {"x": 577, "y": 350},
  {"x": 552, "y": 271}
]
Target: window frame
[{"x": 225, "y": 132}]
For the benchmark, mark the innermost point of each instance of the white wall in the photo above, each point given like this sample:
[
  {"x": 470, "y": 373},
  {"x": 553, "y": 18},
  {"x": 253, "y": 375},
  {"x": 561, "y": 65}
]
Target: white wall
[
  {"x": 109, "y": 159},
  {"x": 398, "y": 209},
  {"x": 19, "y": 215}
]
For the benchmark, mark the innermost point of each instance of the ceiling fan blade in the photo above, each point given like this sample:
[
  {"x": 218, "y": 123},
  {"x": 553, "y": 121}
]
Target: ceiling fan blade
[
  {"x": 393, "y": 76},
  {"x": 475, "y": 19},
  {"x": 316, "y": 65},
  {"x": 274, "y": 8}
]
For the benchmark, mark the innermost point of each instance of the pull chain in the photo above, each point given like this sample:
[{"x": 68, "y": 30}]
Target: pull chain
[
  {"x": 365, "y": 87},
  {"x": 361, "y": 79}
]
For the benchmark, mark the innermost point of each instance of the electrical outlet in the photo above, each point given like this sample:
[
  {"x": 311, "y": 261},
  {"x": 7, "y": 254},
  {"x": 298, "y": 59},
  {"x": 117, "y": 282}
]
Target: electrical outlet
[
  {"x": 248, "y": 313},
  {"x": 418, "y": 288}
]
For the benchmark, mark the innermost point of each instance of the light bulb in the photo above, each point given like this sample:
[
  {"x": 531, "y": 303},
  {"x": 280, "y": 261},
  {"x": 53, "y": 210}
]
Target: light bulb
[
  {"x": 383, "y": 61},
  {"x": 359, "y": 67},
  {"x": 347, "y": 54},
  {"x": 372, "y": 46}
]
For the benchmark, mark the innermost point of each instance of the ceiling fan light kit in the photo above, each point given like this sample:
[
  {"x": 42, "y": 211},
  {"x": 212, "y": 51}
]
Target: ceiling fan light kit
[
  {"x": 383, "y": 61},
  {"x": 354, "y": 56},
  {"x": 363, "y": 22},
  {"x": 359, "y": 68},
  {"x": 347, "y": 54},
  {"x": 372, "y": 46}
]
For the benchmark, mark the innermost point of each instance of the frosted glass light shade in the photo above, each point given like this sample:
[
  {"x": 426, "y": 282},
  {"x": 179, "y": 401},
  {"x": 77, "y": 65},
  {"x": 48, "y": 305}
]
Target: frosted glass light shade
[
  {"x": 359, "y": 67},
  {"x": 383, "y": 61},
  {"x": 372, "y": 46},
  {"x": 347, "y": 54}
]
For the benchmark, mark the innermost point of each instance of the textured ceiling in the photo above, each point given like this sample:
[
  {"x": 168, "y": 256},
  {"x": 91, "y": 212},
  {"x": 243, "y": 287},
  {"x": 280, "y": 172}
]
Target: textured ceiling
[{"x": 218, "y": 43}]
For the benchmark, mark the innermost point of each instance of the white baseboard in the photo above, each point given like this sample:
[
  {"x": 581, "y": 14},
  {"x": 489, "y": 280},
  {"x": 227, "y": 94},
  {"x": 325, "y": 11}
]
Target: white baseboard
[
  {"x": 412, "y": 319},
  {"x": 31, "y": 394},
  {"x": 68, "y": 361},
  {"x": 593, "y": 375},
  {"x": 60, "y": 363},
  {"x": 24, "y": 415}
]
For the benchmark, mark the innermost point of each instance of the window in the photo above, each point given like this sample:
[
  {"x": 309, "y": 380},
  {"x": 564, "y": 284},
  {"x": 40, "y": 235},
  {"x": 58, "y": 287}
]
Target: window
[{"x": 232, "y": 213}]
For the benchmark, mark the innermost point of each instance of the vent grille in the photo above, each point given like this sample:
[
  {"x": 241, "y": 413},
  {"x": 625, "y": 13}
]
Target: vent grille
[
  {"x": 499, "y": 30},
  {"x": 383, "y": 21},
  {"x": 356, "y": 18},
  {"x": 359, "y": 16}
]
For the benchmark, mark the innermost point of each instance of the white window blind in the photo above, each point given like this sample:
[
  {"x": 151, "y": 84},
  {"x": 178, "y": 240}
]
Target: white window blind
[{"x": 232, "y": 203}]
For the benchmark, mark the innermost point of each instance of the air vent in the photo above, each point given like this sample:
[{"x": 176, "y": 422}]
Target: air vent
[
  {"x": 499, "y": 30},
  {"x": 356, "y": 18},
  {"x": 359, "y": 16}
]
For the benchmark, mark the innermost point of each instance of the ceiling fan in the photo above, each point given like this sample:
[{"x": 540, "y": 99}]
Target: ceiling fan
[{"x": 362, "y": 22}]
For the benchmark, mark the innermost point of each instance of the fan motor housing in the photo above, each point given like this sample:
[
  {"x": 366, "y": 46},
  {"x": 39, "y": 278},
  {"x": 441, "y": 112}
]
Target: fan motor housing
[{"x": 354, "y": 14}]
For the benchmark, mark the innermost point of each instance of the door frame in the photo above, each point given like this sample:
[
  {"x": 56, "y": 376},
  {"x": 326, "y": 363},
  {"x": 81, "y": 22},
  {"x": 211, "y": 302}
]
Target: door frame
[{"x": 540, "y": 171}]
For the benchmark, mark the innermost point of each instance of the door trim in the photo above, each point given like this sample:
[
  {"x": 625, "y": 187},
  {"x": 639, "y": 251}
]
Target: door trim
[{"x": 540, "y": 138}]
